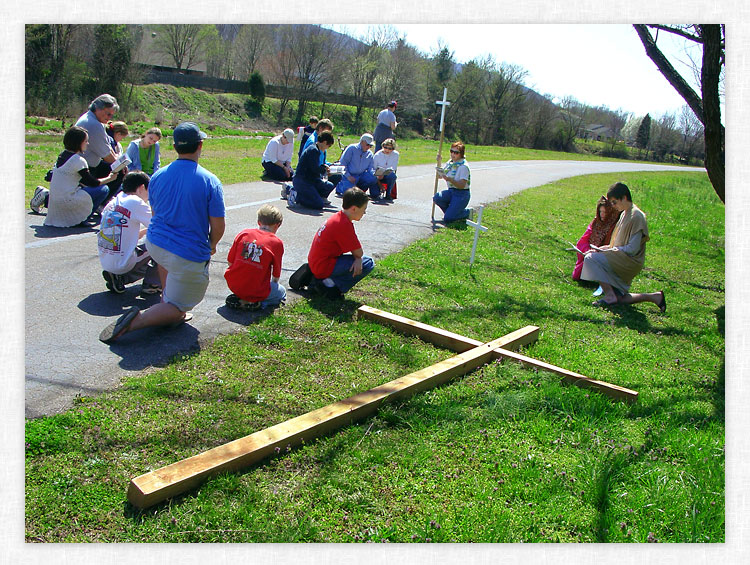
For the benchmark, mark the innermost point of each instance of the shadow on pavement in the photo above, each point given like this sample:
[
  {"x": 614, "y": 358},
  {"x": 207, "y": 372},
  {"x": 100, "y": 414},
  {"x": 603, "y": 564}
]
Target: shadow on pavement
[
  {"x": 46, "y": 232},
  {"x": 107, "y": 304},
  {"x": 155, "y": 346}
]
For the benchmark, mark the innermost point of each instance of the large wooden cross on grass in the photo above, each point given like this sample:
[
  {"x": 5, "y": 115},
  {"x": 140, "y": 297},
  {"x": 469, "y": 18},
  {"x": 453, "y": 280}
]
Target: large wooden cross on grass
[{"x": 177, "y": 478}]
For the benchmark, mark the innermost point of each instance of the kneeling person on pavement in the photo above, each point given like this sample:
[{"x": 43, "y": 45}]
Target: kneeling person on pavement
[
  {"x": 122, "y": 249},
  {"x": 336, "y": 261},
  {"x": 188, "y": 221},
  {"x": 255, "y": 264}
]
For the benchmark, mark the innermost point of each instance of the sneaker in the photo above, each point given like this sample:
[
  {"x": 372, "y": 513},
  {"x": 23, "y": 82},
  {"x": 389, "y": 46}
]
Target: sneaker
[
  {"x": 39, "y": 198},
  {"x": 285, "y": 191},
  {"x": 114, "y": 282},
  {"x": 301, "y": 277},
  {"x": 235, "y": 302},
  {"x": 291, "y": 197},
  {"x": 150, "y": 289}
]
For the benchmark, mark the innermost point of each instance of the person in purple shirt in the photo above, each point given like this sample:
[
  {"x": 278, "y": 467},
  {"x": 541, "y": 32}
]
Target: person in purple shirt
[{"x": 359, "y": 168}]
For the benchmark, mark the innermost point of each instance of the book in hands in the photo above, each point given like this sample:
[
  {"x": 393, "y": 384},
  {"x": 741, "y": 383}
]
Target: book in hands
[
  {"x": 120, "y": 163},
  {"x": 574, "y": 248},
  {"x": 381, "y": 171}
]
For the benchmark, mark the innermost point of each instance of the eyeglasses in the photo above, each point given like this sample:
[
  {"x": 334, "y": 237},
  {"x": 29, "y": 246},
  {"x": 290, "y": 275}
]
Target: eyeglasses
[{"x": 455, "y": 151}]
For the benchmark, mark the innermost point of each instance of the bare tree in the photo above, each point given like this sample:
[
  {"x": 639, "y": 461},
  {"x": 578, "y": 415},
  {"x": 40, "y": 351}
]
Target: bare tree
[
  {"x": 251, "y": 44},
  {"x": 283, "y": 67},
  {"x": 504, "y": 95},
  {"x": 691, "y": 131},
  {"x": 572, "y": 117},
  {"x": 185, "y": 44},
  {"x": 361, "y": 71},
  {"x": 706, "y": 106},
  {"x": 314, "y": 50}
]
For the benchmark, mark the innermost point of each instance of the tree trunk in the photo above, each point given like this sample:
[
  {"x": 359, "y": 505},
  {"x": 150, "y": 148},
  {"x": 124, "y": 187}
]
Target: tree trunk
[
  {"x": 714, "y": 131},
  {"x": 706, "y": 109}
]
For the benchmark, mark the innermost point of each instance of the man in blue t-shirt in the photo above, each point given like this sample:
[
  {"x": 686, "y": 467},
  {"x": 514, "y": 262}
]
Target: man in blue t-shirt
[{"x": 187, "y": 202}]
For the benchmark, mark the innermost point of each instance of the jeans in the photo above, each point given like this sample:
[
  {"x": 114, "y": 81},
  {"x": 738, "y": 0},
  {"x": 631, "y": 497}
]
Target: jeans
[
  {"x": 366, "y": 181},
  {"x": 275, "y": 172},
  {"x": 98, "y": 194},
  {"x": 389, "y": 180},
  {"x": 453, "y": 204},
  {"x": 342, "y": 275},
  {"x": 276, "y": 297},
  {"x": 312, "y": 195}
]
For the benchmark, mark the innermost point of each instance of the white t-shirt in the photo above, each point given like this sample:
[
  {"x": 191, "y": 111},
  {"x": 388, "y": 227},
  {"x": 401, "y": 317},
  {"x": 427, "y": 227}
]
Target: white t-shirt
[
  {"x": 275, "y": 151},
  {"x": 121, "y": 223},
  {"x": 385, "y": 161}
]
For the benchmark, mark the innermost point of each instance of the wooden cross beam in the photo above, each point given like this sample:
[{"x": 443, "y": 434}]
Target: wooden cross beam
[
  {"x": 458, "y": 342},
  {"x": 156, "y": 486}
]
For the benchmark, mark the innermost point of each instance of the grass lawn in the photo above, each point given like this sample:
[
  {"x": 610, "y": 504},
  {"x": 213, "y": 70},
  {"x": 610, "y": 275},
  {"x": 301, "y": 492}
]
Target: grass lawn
[{"x": 504, "y": 454}]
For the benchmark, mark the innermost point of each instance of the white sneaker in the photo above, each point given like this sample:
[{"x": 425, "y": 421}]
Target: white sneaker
[
  {"x": 37, "y": 201},
  {"x": 284, "y": 192},
  {"x": 292, "y": 197}
]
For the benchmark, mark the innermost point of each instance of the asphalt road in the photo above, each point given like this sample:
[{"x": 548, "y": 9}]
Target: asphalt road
[{"x": 64, "y": 357}]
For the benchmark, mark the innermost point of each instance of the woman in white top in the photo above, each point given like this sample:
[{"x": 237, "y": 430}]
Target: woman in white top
[
  {"x": 73, "y": 192},
  {"x": 386, "y": 124},
  {"x": 386, "y": 163}
]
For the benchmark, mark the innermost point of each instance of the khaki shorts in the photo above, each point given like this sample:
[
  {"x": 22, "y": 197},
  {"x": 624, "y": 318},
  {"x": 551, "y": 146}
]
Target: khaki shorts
[{"x": 187, "y": 281}]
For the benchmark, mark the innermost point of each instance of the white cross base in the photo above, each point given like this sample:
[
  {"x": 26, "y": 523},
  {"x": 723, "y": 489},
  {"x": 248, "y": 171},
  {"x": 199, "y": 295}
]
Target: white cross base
[{"x": 477, "y": 228}]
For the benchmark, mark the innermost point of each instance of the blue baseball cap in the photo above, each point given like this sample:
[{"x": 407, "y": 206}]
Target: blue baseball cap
[{"x": 187, "y": 133}]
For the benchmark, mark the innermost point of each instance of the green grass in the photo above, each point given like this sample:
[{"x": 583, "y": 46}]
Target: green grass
[{"x": 504, "y": 454}]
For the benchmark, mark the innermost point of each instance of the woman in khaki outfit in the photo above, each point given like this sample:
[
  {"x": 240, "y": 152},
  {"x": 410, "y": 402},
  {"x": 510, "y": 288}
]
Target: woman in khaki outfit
[{"x": 614, "y": 266}]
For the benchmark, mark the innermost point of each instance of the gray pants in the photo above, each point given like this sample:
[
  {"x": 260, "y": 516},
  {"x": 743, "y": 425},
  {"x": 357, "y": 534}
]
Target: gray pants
[{"x": 145, "y": 269}]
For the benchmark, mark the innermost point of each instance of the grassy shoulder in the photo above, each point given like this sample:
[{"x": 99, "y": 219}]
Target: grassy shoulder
[{"x": 503, "y": 454}]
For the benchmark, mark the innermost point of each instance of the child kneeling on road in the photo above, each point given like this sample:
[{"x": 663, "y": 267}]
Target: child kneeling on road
[
  {"x": 122, "y": 249},
  {"x": 336, "y": 261},
  {"x": 255, "y": 264}
]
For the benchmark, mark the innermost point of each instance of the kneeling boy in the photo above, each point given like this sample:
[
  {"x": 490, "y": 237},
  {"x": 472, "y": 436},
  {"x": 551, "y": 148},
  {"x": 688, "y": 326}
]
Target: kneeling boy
[
  {"x": 255, "y": 264},
  {"x": 336, "y": 261},
  {"x": 122, "y": 252}
]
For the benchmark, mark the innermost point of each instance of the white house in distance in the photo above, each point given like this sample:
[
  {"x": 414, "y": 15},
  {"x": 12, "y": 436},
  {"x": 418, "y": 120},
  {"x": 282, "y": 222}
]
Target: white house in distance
[{"x": 597, "y": 132}]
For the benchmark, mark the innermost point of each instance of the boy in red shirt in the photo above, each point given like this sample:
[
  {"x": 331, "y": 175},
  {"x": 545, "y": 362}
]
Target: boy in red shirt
[
  {"x": 336, "y": 261},
  {"x": 255, "y": 264}
]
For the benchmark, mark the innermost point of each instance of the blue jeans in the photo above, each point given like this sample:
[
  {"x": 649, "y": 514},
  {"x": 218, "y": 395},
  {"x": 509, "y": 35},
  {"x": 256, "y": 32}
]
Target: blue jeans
[
  {"x": 312, "y": 195},
  {"x": 390, "y": 180},
  {"x": 342, "y": 275},
  {"x": 275, "y": 172},
  {"x": 453, "y": 204},
  {"x": 366, "y": 181},
  {"x": 276, "y": 297},
  {"x": 98, "y": 194}
]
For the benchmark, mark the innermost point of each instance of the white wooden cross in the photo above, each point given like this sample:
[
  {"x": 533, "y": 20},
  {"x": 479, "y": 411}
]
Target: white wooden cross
[
  {"x": 443, "y": 103},
  {"x": 477, "y": 227}
]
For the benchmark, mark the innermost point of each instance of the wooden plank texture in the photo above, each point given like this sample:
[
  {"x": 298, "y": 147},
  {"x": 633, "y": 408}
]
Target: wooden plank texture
[
  {"x": 156, "y": 486},
  {"x": 443, "y": 338},
  {"x": 458, "y": 342}
]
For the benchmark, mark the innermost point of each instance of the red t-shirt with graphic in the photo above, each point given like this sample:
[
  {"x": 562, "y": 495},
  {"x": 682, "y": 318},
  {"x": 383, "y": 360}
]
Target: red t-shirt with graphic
[
  {"x": 255, "y": 256},
  {"x": 333, "y": 239}
]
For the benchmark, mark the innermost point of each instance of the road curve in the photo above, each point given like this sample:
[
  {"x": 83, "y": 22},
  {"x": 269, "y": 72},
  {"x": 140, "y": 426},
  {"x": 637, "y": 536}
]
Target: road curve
[{"x": 63, "y": 355}]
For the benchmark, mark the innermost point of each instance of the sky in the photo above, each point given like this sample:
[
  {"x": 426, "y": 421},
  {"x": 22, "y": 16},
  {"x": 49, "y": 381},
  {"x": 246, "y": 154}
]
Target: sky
[{"x": 598, "y": 64}]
